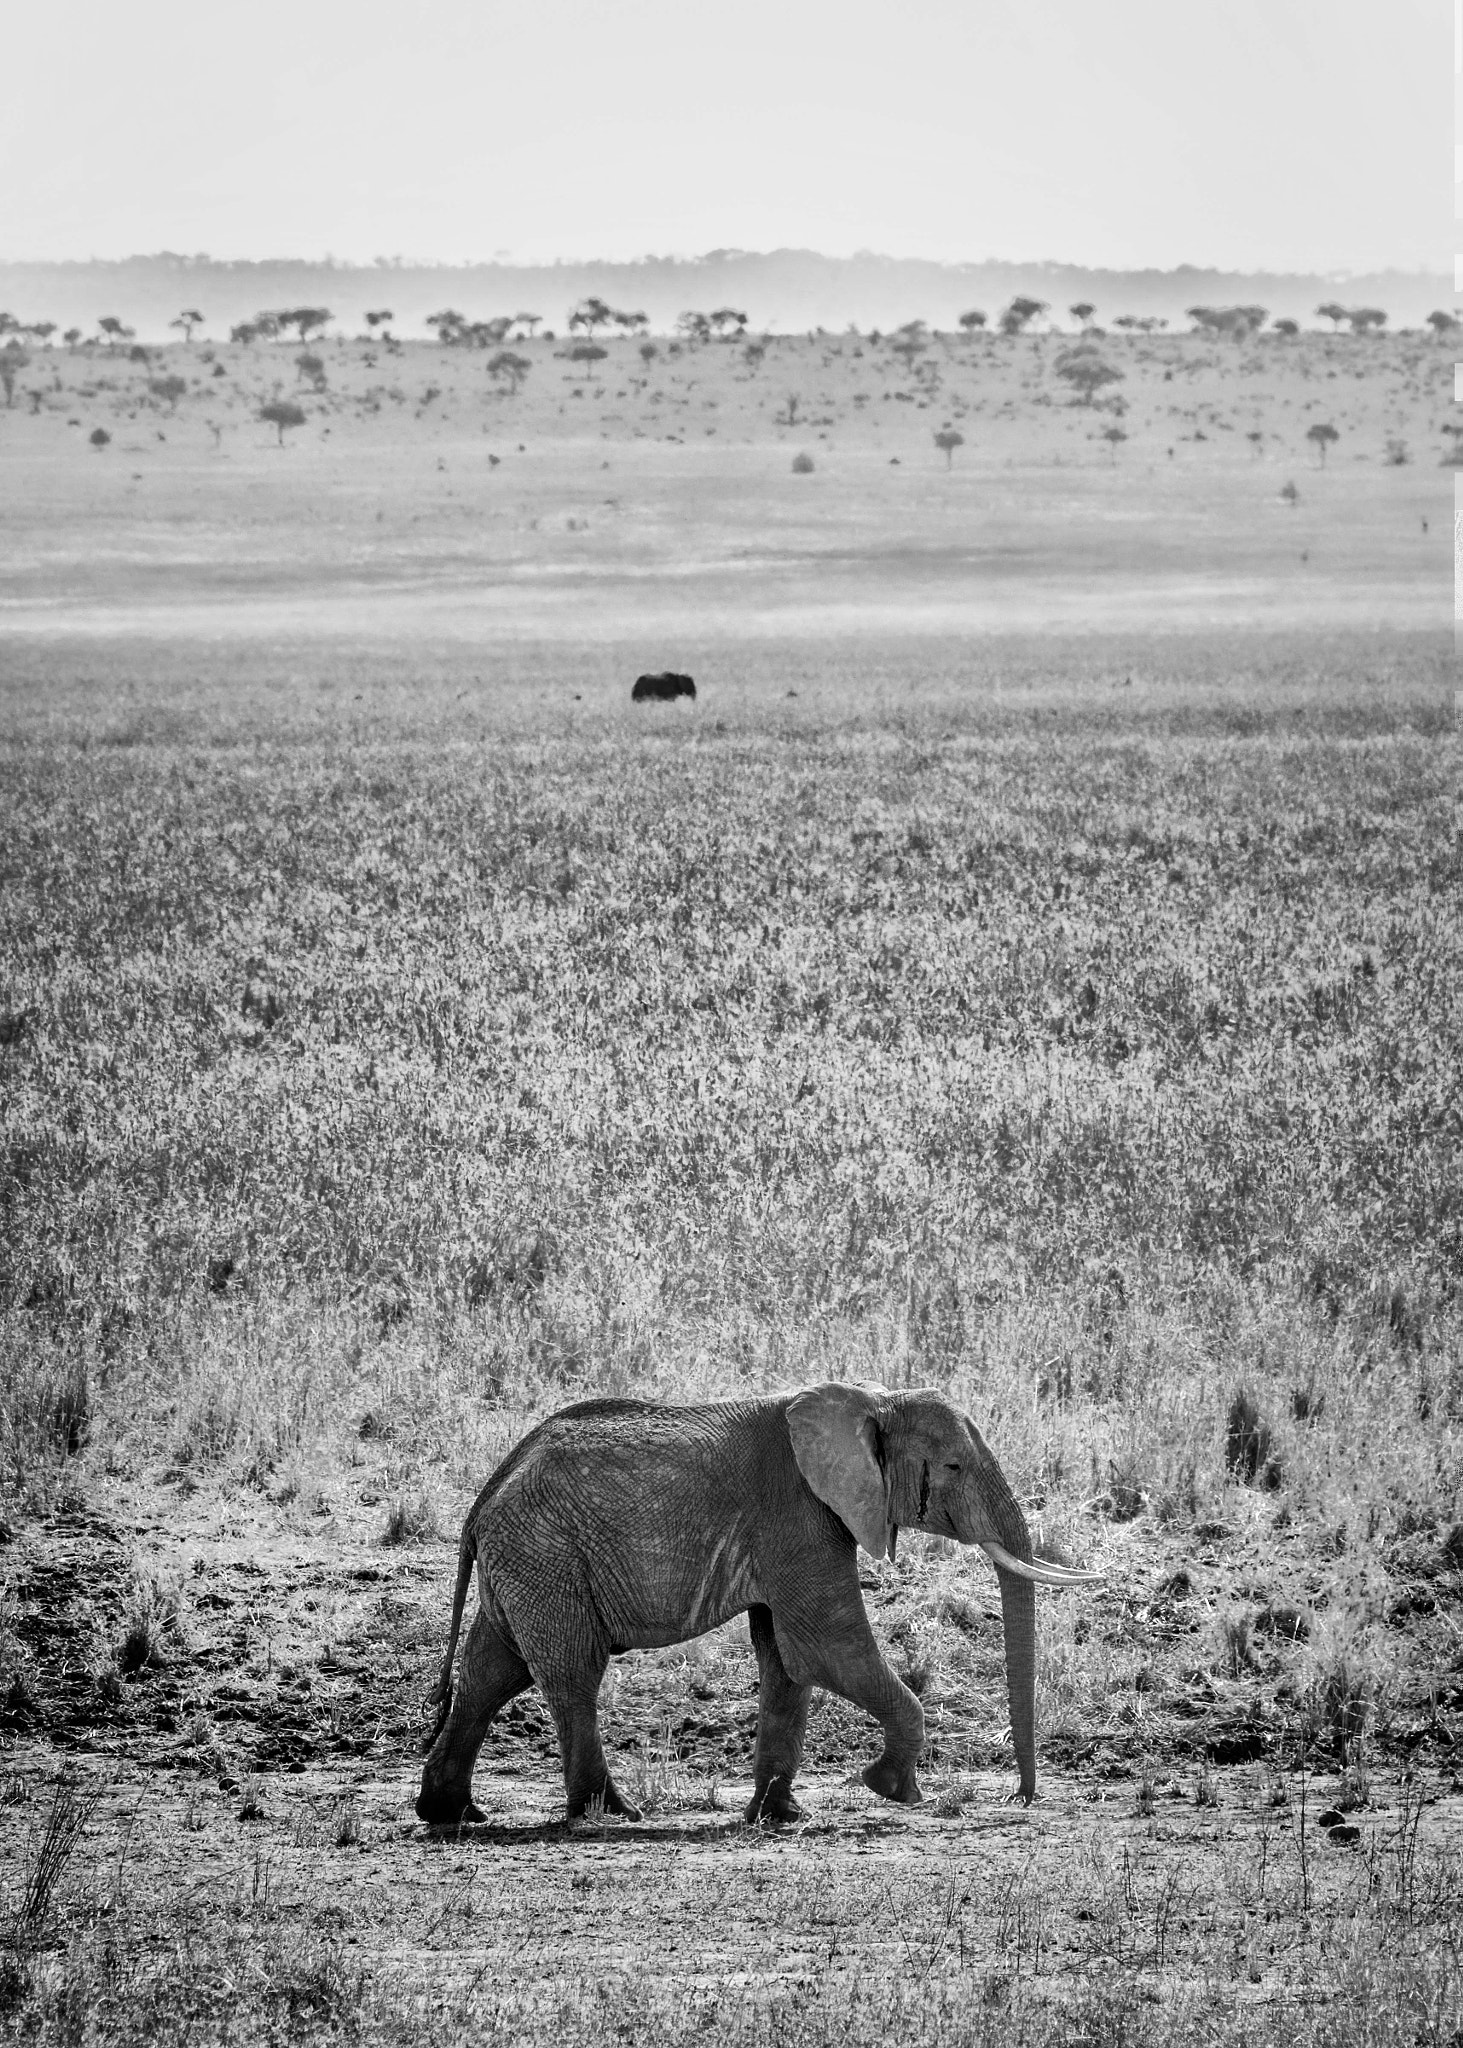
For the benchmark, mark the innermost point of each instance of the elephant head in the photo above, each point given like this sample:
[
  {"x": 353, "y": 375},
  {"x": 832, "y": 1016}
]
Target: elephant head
[{"x": 885, "y": 1461}]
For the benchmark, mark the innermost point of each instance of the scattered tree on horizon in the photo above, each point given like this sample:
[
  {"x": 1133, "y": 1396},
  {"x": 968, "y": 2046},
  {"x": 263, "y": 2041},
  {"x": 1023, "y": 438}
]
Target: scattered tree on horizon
[
  {"x": 42, "y": 330},
  {"x": 71, "y": 337},
  {"x": 1288, "y": 328},
  {"x": 448, "y": 323},
  {"x": 589, "y": 314},
  {"x": 114, "y": 329},
  {"x": 947, "y": 441},
  {"x": 512, "y": 368},
  {"x": 282, "y": 413},
  {"x": 1333, "y": 312},
  {"x": 726, "y": 320},
  {"x": 1366, "y": 319},
  {"x": 382, "y": 318},
  {"x": 1020, "y": 313},
  {"x": 13, "y": 359},
  {"x": 187, "y": 320},
  {"x": 528, "y": 320},
  {"x": 1237, "y": 322},
  {"x": 1322, "y": 436},
  {"x": 972, "y": 321},
  {"x": 1083, "y": 311},
  {"x": 1442, "y": 323},
  {"x": 1084, "y": 369},
  {"x": 693, "y": 327}
]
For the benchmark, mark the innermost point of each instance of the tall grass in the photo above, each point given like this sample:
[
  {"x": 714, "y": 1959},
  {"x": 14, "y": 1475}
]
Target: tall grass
[{"x": 1092, "y": 1057}]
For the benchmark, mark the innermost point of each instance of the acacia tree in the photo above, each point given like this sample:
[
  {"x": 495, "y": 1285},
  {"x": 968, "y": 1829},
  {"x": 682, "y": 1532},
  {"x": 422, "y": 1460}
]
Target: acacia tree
[
  {"x": 1366, "y": 319},
  {"x": 587, "y": 352},
  {"x": 528, "y": 321},
  {"x": 448, "y": 323},
  {"x": 727, "y": 320},
  {"x": 169, "y": 390},
  {"x": 282, "y": 413},
  {"x": 1322, "y": 436},
  {"x": 1289, "y": 328},
  {"x": 694, "y": 327},
  {"x": 1333, "y": 312},
  {"x": 13, "y": 359},
  {"x": 188, "y": 320},
  {"x": 382, "y": 319},
  {"x": 1082, "y": 311},
  {"x": 115, "y": 330},
  {"x": 42, "y": 330},
  {"x": 509, "y": 368},
  {"x": 589, "y": 314},
  {"x": 1020, "y": 313},
  {"x": 1442, "y": 324},
  {"x": 1084, "y": 369},
  {"x": 947, "y": 441},
  {"x": 71, "y": 337},
  {"x": 972, "y": 321},
  {"x": 311, "y": 366}
]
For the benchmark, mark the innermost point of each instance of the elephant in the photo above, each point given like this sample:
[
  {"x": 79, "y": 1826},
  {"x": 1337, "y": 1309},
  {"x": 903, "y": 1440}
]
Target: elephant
[
  {"x": 662, "y": 687},
  {"x": 620, "y": 1524}
]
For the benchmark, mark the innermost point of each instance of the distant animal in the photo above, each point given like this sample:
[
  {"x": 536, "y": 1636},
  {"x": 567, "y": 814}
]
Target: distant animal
[{"x": 661, "y": 687}]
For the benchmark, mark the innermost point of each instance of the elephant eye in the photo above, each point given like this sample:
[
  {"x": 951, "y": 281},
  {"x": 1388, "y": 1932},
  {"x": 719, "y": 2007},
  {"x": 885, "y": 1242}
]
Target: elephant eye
[{"x": 953, "y": 1465}]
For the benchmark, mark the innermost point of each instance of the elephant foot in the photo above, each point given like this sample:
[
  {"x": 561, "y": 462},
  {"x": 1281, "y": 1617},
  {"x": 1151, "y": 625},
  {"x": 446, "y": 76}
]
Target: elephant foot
[
  {"x": 440, "y": 1810},
  {"x": 774, "y": 1802},
  {"x": 894, "y": 1781},
  {"x": 611, "y": 1799}
]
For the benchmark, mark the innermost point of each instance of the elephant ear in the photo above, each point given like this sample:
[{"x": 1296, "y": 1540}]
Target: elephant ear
[{"x": 835, "y": 1431}]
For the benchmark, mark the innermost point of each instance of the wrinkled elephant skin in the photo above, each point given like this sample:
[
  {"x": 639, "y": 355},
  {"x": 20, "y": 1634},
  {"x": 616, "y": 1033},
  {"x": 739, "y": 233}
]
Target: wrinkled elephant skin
[{"x": 619, "y": 1525}]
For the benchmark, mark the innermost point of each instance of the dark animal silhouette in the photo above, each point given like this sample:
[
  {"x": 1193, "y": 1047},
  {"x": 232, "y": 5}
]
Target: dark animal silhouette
[{"x": 662, "y": 687}]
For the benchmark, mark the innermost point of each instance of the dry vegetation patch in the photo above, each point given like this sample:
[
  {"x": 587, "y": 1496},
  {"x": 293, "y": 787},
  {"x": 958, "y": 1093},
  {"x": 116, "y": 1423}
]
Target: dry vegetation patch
[{"x": 385, "y": 1065}]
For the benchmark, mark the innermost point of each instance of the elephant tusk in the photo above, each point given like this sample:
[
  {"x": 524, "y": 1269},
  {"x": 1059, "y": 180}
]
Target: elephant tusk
[{"x": 1040, "y": 1574}]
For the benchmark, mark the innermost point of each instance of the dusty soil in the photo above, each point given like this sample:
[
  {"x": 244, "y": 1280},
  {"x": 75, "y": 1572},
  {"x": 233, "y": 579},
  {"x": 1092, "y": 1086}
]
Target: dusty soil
[{"x": 264, "y": 1743}]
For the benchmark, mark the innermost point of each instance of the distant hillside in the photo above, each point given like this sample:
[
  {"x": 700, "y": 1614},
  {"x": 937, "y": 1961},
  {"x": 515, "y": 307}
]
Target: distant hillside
[{"x": 785, "y": 290}]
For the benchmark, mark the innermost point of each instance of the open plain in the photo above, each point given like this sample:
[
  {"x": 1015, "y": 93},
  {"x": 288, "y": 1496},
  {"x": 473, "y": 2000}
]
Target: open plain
[{"x": 1032, "y": 967}]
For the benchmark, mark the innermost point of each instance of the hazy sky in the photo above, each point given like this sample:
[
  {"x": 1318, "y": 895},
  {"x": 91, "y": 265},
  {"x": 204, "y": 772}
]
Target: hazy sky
[{"x": 1250, "y": 133}]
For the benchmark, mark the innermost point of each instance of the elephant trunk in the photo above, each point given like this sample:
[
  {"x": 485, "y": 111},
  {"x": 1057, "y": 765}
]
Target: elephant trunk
[
  {"x": 1018, "y": 1617},
  {"x": 1003, "y": 1518}
]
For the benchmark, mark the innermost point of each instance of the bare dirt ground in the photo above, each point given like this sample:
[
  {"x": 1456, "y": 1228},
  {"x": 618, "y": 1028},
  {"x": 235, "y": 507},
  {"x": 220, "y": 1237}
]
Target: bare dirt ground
[{"x": 245, "y": 1735}]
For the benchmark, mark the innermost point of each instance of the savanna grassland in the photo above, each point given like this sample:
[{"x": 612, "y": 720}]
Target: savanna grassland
[{"x": 401, "y": 1036}]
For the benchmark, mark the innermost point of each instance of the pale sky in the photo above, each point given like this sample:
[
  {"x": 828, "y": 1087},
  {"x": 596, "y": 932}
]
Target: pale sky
[{"x": 1272, "y": 134}]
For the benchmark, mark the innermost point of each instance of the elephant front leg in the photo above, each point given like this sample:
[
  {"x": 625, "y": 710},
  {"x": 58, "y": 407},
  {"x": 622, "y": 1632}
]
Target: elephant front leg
[
  {"x": 845, "y": 1659},
  {"x": 490, "y": 1674},
  {"x": 782, "y": 1720},
  {"x": 573, "y": 1699}
]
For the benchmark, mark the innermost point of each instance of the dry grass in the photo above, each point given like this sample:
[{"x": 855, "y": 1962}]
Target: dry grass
[{"x": 370, "y": 1090}]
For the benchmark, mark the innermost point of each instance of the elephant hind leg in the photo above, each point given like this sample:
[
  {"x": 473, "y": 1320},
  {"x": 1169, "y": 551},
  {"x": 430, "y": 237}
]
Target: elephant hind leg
[
  {"x": 490, "y": 1674},
  {"x": 782, "y": 1720},
  {"x": 573, "y": 1697}
]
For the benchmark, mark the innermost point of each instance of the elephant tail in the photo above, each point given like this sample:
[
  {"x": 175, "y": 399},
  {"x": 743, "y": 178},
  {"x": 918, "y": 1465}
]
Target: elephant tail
[{"x": 441, "y": 1697}]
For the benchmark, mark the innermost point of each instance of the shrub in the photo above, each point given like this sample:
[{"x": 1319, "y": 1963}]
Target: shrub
[{"x": 802, "y": 465}]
